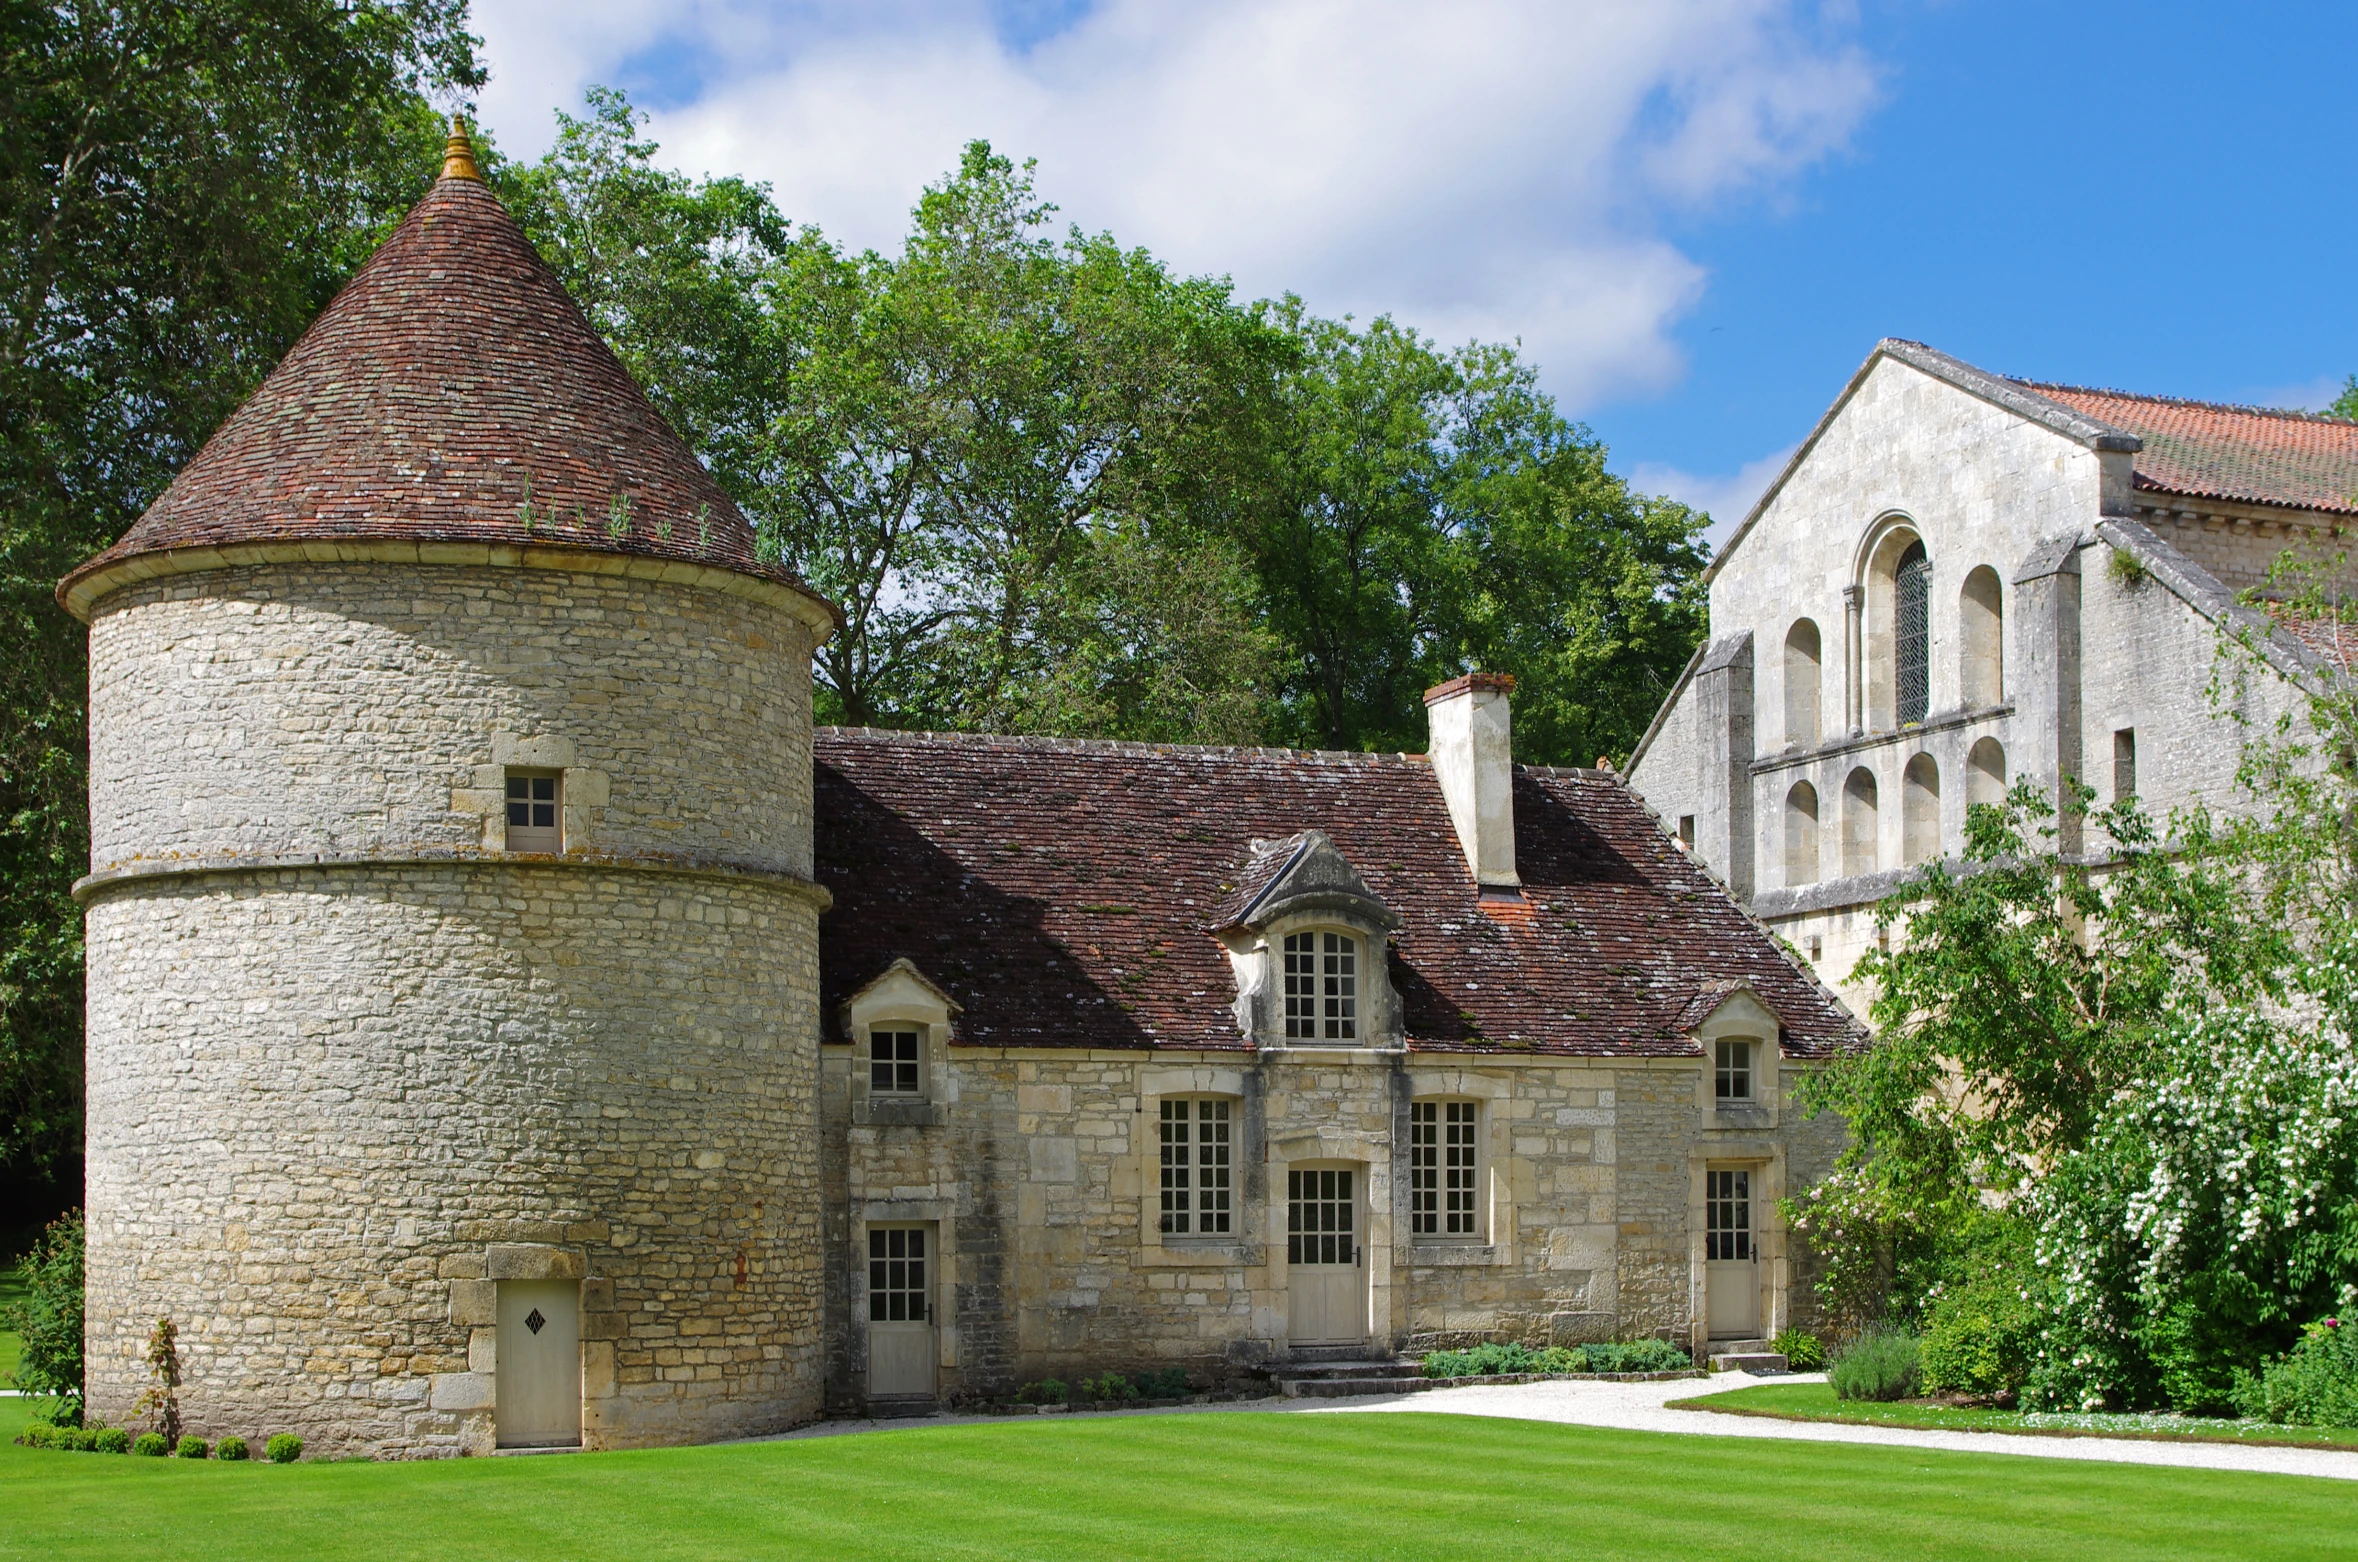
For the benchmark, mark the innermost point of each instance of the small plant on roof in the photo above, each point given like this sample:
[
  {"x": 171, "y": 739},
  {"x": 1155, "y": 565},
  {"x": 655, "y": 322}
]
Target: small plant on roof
[
  {"x": 618, "y": 517},
  {"x": 704, "y": 526},
  {"x": 663, "y": 527},
  {"x": 524, "y": 510}
]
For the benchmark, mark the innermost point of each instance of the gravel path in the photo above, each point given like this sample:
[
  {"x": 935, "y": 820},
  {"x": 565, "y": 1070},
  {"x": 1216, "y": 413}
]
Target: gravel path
[{"x": 1641, "y": 1407}]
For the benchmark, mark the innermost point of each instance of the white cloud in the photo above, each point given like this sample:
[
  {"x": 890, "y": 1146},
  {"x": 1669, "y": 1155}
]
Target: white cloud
[
  {"x": 2310, "y": 396},
  {"x": 1491, "y": 167},
  {"x": 1728, "y": 497}
]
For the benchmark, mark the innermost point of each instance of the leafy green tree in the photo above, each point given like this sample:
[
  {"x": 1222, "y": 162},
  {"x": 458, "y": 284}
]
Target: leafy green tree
[
  {"x": 48, "y": 1319},
  {"x": 2346, "y": 404},
  {"x": 1430, "y": 513},
  {"x": 183, "y": 186}
]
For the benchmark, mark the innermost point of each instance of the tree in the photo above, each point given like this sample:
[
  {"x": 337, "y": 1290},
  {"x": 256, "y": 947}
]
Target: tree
[
  {"x": 182, "y": 188},
  {"x": 1431, "y": 513},
  {"x": 2346, "y": 404},
  {"x": 1055, "y": 488}
]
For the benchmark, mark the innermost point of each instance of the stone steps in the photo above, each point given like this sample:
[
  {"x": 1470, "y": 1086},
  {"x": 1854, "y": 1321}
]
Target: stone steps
[
  {"x": 1758, "y": 1362},
  {"x": 1340, "y": 1376}
]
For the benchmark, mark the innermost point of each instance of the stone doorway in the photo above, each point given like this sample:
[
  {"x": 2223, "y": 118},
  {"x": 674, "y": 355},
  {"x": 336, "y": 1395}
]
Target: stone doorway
[
  {"x": 537, "y": 1365},
  {"x": 902, "y": 1342},
  {"x": 1731, "y": 1254},
  {"x": 1326, "y": 1258}
]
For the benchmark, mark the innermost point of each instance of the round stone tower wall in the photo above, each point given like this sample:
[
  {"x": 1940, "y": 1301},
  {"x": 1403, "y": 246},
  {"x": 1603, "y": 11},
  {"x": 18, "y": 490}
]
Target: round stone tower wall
[{"x": 352, "y": 1064}]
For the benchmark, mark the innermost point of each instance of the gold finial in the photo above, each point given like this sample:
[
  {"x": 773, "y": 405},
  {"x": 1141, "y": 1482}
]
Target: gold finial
[{"x": 458, "y": 153}]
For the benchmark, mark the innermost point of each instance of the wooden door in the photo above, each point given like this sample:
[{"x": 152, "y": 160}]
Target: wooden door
[
  {"x": 1731, "y": 1256},
  {"x": 1326, "y": 1273},
  {"x": 538, "y": 1364},
  {"x": 901, "y": 1342}
]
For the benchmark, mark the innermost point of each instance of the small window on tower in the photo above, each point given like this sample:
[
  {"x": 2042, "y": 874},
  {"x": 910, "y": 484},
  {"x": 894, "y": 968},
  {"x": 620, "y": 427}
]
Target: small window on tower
[
  {"x": 1686, "y": 831},
  {"x": 2124, "y": 764},
  {"x": 536, "y": 811}
]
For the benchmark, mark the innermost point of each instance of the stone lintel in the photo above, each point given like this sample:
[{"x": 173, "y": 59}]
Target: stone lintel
[{"x": 533, "y": 1261}]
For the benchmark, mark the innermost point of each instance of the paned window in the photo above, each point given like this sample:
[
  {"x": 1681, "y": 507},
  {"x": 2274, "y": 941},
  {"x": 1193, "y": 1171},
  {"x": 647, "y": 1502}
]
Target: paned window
[
  {"x": 1319, "y": 1211},
  {"x": 1195, "y": 1167},
  {"x": 1441, "y": 1168},
  {"x": 535, "y": 817},
  {"x": 1727, "y": 1207},
  {"x": 1321, "y": 987},
  {"x": 1734, "y": 1081},
  {"x": 896, "y": 1275},
  {"x": 892, "y": 1063},
  {"x": 1912, "y": 632}
]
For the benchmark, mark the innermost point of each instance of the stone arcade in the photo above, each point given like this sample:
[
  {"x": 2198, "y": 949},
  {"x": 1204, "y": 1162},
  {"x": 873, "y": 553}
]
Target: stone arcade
[
  {"x": 475, "y": 1059},
  {"x": 1960, "y": 581}
]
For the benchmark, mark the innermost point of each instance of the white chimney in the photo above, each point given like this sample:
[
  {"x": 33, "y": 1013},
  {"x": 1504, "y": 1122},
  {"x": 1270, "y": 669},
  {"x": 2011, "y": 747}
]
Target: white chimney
[{"x": 1473, "y": 757}]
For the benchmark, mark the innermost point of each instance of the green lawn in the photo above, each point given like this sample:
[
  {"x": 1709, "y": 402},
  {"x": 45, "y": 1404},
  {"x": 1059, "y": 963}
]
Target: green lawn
[
  {"x": 1816, "y": 1402},
  {"x": 1225, "y": 1486}
]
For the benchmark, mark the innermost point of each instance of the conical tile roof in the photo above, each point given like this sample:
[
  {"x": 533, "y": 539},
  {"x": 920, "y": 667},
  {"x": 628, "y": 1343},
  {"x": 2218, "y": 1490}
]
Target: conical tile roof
[{"x": 452, "y": 393}]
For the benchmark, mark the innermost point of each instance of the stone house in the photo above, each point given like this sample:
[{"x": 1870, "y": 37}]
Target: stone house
[
  {"x": 511, "y": 1024},
  {"x": 1960, "y": 581}
]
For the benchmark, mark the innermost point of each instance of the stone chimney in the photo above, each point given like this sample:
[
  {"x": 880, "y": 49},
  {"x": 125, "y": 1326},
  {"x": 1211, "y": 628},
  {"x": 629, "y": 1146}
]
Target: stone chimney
[{"x": 1473, "y": 757}]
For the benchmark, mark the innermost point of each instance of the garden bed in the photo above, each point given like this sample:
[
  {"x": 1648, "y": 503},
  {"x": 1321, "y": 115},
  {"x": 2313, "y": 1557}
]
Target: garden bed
[{"x": 1816, "y": 1402}]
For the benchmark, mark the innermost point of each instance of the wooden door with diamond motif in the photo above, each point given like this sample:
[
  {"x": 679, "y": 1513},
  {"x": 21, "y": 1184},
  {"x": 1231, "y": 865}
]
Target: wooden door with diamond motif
[{"x": 537, "y": 1361}]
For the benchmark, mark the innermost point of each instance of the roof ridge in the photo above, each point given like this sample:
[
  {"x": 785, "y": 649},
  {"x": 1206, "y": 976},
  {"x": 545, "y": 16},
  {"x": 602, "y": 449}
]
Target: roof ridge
[
  {"x": 1022, "y": 741},
  {"x": 2292, "y": 413}
]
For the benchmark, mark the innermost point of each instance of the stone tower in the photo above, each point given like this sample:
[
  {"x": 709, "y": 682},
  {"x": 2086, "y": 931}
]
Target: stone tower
[{"x": 452, "y": 938}]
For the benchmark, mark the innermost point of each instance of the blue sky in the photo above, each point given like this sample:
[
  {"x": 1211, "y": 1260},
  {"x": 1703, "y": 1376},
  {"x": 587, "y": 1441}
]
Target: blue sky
[{"x": 1698, "y": 215}]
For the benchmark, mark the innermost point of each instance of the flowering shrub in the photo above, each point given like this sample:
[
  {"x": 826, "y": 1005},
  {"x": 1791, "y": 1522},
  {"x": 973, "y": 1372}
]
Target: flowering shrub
[
  {"x": 2210, "y": 1210},
  {"x": 2313, "y": 1384}
]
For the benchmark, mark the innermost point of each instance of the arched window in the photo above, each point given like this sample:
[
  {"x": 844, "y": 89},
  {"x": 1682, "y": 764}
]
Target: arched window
[
  {"x": 1981, "y": 617},
  {"x": 1920, "y": 810},
  {"x": 1801, "y": 834},
  {"x": 1859, "y": 822},
  {"x": 1985, "y": 773},
  {"x": 1894, "y": 626},
  {"x": 1802, "y": 664},
  {"x": 1911, "y": 633}
]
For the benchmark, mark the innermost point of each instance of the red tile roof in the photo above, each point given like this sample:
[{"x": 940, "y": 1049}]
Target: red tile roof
[
  {"x": 451, "y": 379},
  {"x": 2212, "y": 452},
  {"x": 1064, "y": 891}
]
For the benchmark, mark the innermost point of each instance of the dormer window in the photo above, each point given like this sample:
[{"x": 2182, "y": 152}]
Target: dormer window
[
  {"x": 892, "y": 1063},
  {"x": 1321, "y": 987},
  {"x": 1734, "y": 1071}
]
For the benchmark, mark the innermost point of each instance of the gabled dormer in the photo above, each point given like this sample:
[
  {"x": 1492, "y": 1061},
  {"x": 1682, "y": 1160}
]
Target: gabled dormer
[{"x": 1310, "y": 945}]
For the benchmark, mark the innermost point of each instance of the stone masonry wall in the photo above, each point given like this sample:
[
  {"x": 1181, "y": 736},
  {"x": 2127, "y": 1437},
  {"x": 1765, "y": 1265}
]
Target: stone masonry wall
[
  {"x": 1042, "y": 1167},
  {"x": 373, "y": 707},
  {"x": 318, "y": 1099},
  {"x": 334, "y": 1100}
]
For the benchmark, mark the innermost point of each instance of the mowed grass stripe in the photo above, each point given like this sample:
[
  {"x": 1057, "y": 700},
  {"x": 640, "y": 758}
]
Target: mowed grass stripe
[{"x": 1229, "y": 1486}]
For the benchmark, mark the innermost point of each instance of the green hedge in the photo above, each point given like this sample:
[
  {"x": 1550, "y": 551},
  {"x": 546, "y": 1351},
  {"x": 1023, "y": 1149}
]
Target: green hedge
[{"x": 1493, "y": 1360}]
